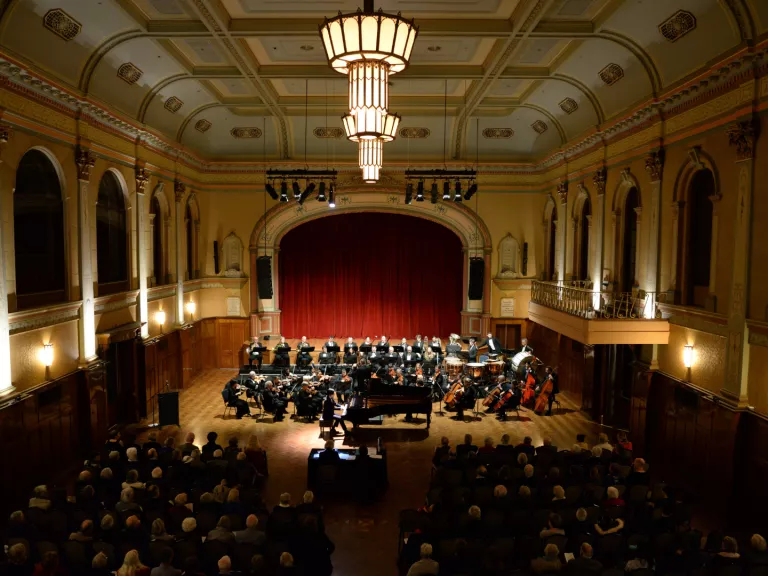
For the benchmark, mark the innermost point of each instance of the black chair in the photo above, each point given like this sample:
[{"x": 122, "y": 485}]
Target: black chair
[{"x": 157, "y": 552}]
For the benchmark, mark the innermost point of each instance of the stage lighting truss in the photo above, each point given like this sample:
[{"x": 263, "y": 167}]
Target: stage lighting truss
[
  {"x": 326, "y": 178},
  {"x": 457, "y": 179}
]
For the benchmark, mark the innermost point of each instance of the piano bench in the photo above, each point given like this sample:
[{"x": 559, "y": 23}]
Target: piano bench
[{"x": 324, "y": 424}]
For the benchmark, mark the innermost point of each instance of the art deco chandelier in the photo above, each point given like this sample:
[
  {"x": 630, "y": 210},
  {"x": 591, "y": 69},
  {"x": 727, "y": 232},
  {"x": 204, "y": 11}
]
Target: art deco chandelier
[{"x": 369, "y": 47}]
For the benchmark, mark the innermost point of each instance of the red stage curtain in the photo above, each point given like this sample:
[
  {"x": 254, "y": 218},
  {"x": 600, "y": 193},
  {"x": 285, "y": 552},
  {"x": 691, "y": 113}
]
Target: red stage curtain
[{"x": 370, "y": 274}]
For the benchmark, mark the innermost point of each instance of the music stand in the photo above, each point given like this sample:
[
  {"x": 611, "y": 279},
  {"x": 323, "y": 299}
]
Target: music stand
[
  {"x": 437, "y": 350},
  {"x": 398, "y": 349},
  {"x": 365, "y": 348},
  {"x": 332, "y": 349},
  {"x": 260, "y": 350},
  {"x": 382, "y": 348}
]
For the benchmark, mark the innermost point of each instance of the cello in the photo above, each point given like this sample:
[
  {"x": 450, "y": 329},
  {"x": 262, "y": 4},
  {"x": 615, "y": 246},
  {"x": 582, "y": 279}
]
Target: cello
[
  {"x": 543, "y": 400},
  {"x": 453, "y": 395},
  {"x": 529, "y": 392}
]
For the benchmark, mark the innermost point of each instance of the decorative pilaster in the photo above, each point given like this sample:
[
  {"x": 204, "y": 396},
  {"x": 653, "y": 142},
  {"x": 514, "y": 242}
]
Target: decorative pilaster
[
  {"x": 590, "y": 249},
  {"x": 562, "y": 195},
  {"x": 85, "y": 161},
  {"x": 677, "y": 207},
  {"x": 142, "y": 178},
  {"x": 654, "y": 164},
  {"x": 6, "y": 382},
  {"x": 598, "y": 179},
  {"x": 178, "y": 190},
  {"x": 715, "y": 199},
  {"x": 572, "y": 241},
  {"x": 742, "y": 136},
  {"x": 196, "y": 248}
]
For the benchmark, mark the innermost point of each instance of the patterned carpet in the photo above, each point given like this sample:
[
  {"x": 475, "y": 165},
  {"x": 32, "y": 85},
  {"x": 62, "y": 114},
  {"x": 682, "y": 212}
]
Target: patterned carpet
[{"x": 365, "y": 536}]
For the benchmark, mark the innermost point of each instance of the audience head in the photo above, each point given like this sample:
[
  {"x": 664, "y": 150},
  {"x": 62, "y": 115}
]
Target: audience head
[
  {"x": 286, "y": 560},
  {"x": 190, "y": 439},
  {"x": 522, "y": 459},
  {"x": 241, "y": 457},
  {"x": 233, "y": 442},
  {"x": 528, "y": 471},
  {"x": 132, "y": 476},
  {"x": 474, "y": 512},
  {"x": 188, "y": 525},
  {"x": 524, "y": 491},
  {"x": 581, "y": 514},
  {"x": 597, "y": 452},
  {"x": 639, "y": 465},
  {"x": 586, "y": 550},
  {"x": 17, "y": 554},
  {"x": 251, "y": 521},
  {"x": 551, "y": 551},
  {"x": 500, "y": 491},
  {"x": 234, "y": 495},
  {"x": 224, "y": 564},
  {"x": 612, "y": 492},
  {"x": 157, "y": 473},
  {"x": 106, "y": 474},
  {"x": 152, "y": 454},
  {"x": 329, "y": 444},
  {"x": 218, "y": 454},
  {"x": 107, "y": 522},
  {"x": 558, "y": 492},
  {"x": 426, "y": 550},
  {"x": 309, "y": 497},
  {"x": 224, "y": 523},
  {"x": 444, "y": 441},
  {"x": 99, "y": 561},
  {"x": 488, "y": 442},
  {"x": 547, "y": 441},
  {"x": 602, "y": 438},
  {"x": 468, "y": 439},
  {"x": 126, "y": 495},
  {"x": 730, "y": 545},
  {"x": 285, "y": 499},
  {"x": 132, "y": 454},
  {"x": 621, "y": 436},
  {"x": 527, "y": 440},
  {"x": 505, "y": 439},
  {"x": 757, "y": 542},
  {"x": 17, "y": 517},
  {"x": 133, "y": 522},
  {"x": 181, "y": 499},
  {"x": 130, "y": 563}
]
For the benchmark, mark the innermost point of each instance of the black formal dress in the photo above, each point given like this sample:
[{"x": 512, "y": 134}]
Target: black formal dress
[{"x": 329, "y": 415}]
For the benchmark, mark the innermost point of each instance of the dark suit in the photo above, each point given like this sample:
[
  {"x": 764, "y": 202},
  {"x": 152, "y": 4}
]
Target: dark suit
[
  {"x": 281, "y": 355},
  {"x": 494, "y": 346},
  {"x": 472, "y": 353},
  {"x": 453, "y": 349},
  {"x": 273, "y": 403},
  {"x": 418, "y": 347},
  {"x": 583, "y": 566},
  {"x": 329, "y": 415}
]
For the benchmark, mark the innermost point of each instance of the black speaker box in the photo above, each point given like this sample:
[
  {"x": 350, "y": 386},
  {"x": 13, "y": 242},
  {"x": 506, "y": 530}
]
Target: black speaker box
[
  {"x": 264, "y": 276},
  {"x": 476, "y": 277},
  {"x": 168, "y": 403}
]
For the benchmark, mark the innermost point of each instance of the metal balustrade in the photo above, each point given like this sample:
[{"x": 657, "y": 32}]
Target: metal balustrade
[{"x": 579, "y": 299}]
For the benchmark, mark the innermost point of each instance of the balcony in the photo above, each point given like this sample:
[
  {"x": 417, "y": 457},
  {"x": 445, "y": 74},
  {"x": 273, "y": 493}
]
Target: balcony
[{"x": 576, "y": 310}]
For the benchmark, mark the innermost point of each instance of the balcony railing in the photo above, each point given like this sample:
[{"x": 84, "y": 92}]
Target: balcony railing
[{"x": 579, "y": 299}]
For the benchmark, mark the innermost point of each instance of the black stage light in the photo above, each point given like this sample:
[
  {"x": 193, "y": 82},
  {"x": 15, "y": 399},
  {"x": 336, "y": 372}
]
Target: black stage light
[
  {"x": 321, "y": 193},
  {"x": 307, "y": 191},
  {"x": 331, "y": 200},
  {"x": 446, "y": 190},
  {"x": 420, "y": 191},
  {"x": 409, "y": 193},
  {"x": 433, "y": 192},
  {"x": 296, "y": 189},
  {"x": 471, "y": 191},
  {"x": 457, "y": 195},
  {"x": 284, "y": 191},
  {"x": 271, "y": 191}
]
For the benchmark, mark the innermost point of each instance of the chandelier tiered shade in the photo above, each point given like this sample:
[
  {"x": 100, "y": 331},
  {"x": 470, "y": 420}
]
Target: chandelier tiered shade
[
  {"x": 363, "y": 126},
  {"x": 371, "y": 156},
  {"x": 372, "y": 36}
]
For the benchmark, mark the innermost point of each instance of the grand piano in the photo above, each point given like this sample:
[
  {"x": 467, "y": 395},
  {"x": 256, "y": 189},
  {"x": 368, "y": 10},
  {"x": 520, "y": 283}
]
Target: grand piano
[{"x": 389, "y": 399}]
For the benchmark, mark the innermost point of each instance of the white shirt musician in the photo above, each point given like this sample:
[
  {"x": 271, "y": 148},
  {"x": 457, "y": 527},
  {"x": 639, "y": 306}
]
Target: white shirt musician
[
  {"x": 418, "y": 346},
  {"x": 410, "y": 355},
  {"x": 525, "y": 347}
]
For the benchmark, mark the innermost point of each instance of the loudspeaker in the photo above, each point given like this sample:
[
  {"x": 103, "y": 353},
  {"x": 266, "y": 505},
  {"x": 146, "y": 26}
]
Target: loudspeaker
[
  {"x": 168, "y": 403},
  {"x": 264, "y": 276},
  {"x": 215, "y": 256},
  {"x": 476, "y": 277},
  {"x": 525, "y": 259}
]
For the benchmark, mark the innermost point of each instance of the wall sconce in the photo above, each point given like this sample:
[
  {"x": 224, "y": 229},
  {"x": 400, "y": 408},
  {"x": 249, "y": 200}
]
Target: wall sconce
[
  {"x": 160, "y": 319},
  {"x": 46, "y": 357},
  {"x": 688, "y": 356},
  {"x": 191, "y": 307}
]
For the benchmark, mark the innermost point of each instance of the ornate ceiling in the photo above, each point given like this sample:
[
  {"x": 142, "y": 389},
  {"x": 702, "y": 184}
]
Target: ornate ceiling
[{"x": 232, "y": 79}]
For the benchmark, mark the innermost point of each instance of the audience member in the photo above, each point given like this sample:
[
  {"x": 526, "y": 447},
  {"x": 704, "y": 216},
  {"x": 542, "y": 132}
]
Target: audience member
[{"x": 425, "y": 565}]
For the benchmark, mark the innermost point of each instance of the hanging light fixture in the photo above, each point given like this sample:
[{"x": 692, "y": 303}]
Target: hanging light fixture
[{"x": 369, "y": 47}]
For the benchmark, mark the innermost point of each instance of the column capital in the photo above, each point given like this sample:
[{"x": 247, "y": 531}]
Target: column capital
[
  {"x": 85, "y": 161},
  {"x": 562, "y": 191},
  {"x": 142, "y": 178},
  {"x": 654, "y": 164},
  {"x": 599, "y": 181},
  {"x": 638, "y": 211},
  {"x": 715, "y": 199},
  {"x": 743, "y": 135},
  {"x": 178, "y": 190}
]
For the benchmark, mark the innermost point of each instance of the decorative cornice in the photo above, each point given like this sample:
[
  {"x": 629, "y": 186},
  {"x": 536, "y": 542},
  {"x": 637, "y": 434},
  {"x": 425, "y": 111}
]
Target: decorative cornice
[
  {"x": 85, "y": 161},
  {"x": 598, "y": 179},
  {"x": 116, "y": 302},
  {"x": 41, "y": 318},
  {"x": 178, "y": 190},
  {"x": 654, "y": 164},
  {"x": 160, "y": 292},
  {"x": 742, "y": 135}
]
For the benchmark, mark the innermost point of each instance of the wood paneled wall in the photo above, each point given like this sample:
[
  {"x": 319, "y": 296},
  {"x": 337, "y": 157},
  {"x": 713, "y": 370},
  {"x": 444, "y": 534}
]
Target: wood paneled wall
[{"x": 231, "y": 334}]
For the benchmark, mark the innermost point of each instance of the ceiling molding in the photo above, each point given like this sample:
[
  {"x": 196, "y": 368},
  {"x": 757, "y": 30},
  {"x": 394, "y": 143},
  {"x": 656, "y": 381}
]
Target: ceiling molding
[
  {"x": 102, "y": 50},
  {"x": 154, "y": 91},
  {"x": 551, "y": 118},
  {"x": 188, "y": 118}
]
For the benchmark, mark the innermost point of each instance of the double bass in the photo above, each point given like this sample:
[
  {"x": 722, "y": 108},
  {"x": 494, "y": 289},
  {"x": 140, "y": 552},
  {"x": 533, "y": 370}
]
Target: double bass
[
  {"x": 543, "y": 400},
  {"x": 529, "y": 391}
]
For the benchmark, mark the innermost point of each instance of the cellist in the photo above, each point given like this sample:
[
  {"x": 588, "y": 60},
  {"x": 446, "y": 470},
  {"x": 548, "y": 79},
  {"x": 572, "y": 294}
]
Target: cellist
[{"x": 529, "y": 389}]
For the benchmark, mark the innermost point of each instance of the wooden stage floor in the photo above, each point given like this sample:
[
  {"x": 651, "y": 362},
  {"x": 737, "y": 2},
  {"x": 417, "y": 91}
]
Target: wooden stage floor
[{"x": 365, "y": 536}]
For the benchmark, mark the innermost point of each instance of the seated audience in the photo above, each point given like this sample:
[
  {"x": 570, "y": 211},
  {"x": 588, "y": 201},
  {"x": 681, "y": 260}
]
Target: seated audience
[
  {"x": 425, "y": 565},
  {"x": 585, "y": 564},
  {"x": 549, "y": 563}
]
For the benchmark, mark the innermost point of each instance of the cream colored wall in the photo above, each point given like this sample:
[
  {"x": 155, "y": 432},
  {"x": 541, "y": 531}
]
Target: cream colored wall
[
  {"x": 26, "y": 365},
  {"x": 758, "y": 378},
  {"x": 708, "y": 368}
]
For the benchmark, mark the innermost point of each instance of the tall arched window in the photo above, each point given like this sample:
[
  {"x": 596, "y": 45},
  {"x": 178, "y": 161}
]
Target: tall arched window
[
  {"x": 551, "y": 244},
  {"x": 698, "y": 240},
  {"x": 111, "y": 237},
  {"x": 38, "y": 231},
  {"x": 583, "y": 263},
  {"x": 629, "y": 240},
  {"x": 157, "y": 224}
]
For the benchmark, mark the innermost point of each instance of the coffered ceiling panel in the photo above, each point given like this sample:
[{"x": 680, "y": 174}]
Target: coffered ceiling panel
[
  {"x": 539, "y": 52},
  {"x": 407, "y": 87},
  {"x": 168, "y": 109},
  {"x": 287, "y": 50},
  {"x": 335, "y": 87},
  {"x": 209, "y": 132},
  {"x": 713, "y": 33},
  {"x": 576, "y": 9},
  {"x": 523, "y": 142},
  {"x": 233, "y": 87},
  {"x": 592, "y": 57},
  {"x": 201, "y": 51},
  {"x": 428, "y": 145},
  {"x": 457, "y": 50},
  {"x": 89, "y": 25},
  {"x": 510, "y": 88},
  {"x": 321, "y": 149},
  {"x": 558, "y": 98},
  {"x": 149, "y": 64},
  {"x": 164, "y": 9}
]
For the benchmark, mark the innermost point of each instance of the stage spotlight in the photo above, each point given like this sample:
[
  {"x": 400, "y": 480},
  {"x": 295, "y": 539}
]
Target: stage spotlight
[
  {"x": 271, "y": 190},
  {"x": 284, "y": 191},
  {"x": 446, "y": 190},
  {"x": 433, "y": 192},
  {"x": 420, "y": 191},
  {"x": 409, "y": 193},
  {"x": 307, "y": 191},
  {"x": 321, "y": 193},
  {"x": 331, "y": 199},
  {"x": 457, "y": 195},
  {"x": 471, "y": 191},
  {"x": 296, "y": 189}
]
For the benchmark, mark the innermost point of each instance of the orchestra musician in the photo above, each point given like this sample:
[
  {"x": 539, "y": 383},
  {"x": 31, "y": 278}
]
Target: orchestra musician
[
  {"x": 281, "y": 353},
  {"x": 350, "y": 351},
  {"x": 305, "y": 403},
  {"x": 454, "y": 347},
  {"x": 274, "y": 401},
  {"x": 230, "y": 393},
  {"x": 404, "y": 343},
  {"x": 392, "y": 357},
  {"x": 525, "y": 347},
  {"x": 383, "y": 343},
  {"x": 254, "y": 354},
  {"x": 410, "y": 355},
  {"x": 329, "y": 413},
  {"x": 326, "y": 357},
  {"x": 343, "y": 384},
  {"x": 551, "y": 375},
  {"x": 439, "y": 345},
  {"x": 472, "y": 351},
  {"x": 303, "y": 359},
  {"x": 493, "y": 345},
  {"x": 418, "y": 345},
  {"x": 251, "y": 384},
  {"x": 512, "y": 403},
  {"x": 467, "y": 399}
]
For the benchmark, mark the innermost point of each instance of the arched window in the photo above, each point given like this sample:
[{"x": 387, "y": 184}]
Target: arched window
[
  {"x": 38, "y": 231},
  {"x": 157, "y": 225},
  {"x": 629, "y": 240},
  {"x": 111, "y": 237},
  {"x": 583, "y": 261},
  {"x": 551, "y": 245},
  {"x": 698, "y": 239}
]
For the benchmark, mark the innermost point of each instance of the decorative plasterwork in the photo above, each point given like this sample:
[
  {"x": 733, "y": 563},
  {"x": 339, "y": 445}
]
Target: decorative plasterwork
[
  {"x": 85, "y": 161},
  {"x": 598, "y": 179},
  {"x": 498, "y": 133},
  {"x": 568, "y": 105},
  {"x": 328, "y": 132},
  {"x": 540, "y": 126},
  {"x": 42, "y": 317},
  {"x": 246, "y": 132},
  {"x": 677, "y": 25},
  {"x": 742, "y": 136},
  {"x": 202, "y": 125},
  {"x": 61, "y": 24},
  {"x": 654, "y": 164},
  {"x": 173, "y": 104},
  {"x": 611, "y": 74},
  {"x": 160, "y": 292},
  {"x": 178, "y": 190},
  {"x": 562, "y": 191},
  {"x": 5, "y": 133},
  {"x": 116, "y": 302},
  {"x": 129, "y": 72},
  {"x": 141, "y": 179},
  {"x": 414, "y": 133}
]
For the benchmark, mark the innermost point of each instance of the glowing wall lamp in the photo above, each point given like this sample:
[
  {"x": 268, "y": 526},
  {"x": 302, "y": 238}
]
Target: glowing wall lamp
[
  {"x": 46, "y": 356},
  {"x": 688, "y": 356},
  {"x": 191, "y": 307},
  {"x": 160, "y": 319}
]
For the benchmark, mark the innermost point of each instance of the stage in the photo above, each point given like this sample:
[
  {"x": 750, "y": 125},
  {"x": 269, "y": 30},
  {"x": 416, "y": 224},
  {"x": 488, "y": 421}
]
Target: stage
[{"x": 359, "y": 531}]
